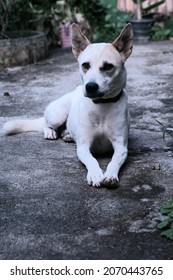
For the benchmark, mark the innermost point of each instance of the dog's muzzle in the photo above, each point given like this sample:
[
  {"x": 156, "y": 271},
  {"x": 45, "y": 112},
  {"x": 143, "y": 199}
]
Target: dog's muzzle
[{"x": 92, "y": 90}]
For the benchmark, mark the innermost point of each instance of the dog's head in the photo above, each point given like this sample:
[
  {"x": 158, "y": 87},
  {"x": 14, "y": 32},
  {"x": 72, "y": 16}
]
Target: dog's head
[{"x": 102, "y": 64}]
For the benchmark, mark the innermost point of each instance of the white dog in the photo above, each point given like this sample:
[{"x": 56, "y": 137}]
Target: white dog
[{"x": 95, "y": 113}]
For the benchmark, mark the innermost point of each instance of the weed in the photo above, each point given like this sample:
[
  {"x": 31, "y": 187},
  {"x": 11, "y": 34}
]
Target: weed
[
  {"x": 165, "y": 130},
  {"x": 166, "y": 226}
]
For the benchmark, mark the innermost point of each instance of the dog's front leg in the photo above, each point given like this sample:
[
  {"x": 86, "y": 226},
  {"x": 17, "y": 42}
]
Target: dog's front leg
[
  {"x": 110, "y": 177},
  {"x": 95, "y": 173}
]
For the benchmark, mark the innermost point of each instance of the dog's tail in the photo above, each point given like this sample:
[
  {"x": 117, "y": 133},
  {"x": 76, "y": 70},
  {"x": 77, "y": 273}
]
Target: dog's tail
[{"x": 18, "y": 126}]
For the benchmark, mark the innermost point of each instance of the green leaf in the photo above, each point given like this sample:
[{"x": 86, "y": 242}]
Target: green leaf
[
  {"x": 163, "y": 224},
  {"x": 165, "y": 211},
  {"x": 168, "y": 233},
  {"x": 171, "y": 214},
  {"x": 153, "y": 6},
  {"x": 167, "y": 225},
  {"x": 168, "y": 205}
]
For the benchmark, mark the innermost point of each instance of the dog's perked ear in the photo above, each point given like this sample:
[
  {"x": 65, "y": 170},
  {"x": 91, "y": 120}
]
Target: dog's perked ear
[
  {"x": 124, "y": 42},
  {"x": 78, "y": 39}
]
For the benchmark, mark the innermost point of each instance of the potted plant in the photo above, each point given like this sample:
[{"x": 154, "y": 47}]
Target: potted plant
[
  {"x": 143, "y": 22},
  {"x": 68, "y": 15}
]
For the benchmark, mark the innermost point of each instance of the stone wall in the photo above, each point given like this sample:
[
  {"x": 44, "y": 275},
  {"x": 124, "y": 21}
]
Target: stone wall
[{"x": 23, "y": 50}]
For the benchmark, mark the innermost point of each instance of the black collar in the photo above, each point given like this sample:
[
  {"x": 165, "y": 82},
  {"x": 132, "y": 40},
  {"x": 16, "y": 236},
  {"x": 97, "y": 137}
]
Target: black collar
[{"x": 108, "y": 100}]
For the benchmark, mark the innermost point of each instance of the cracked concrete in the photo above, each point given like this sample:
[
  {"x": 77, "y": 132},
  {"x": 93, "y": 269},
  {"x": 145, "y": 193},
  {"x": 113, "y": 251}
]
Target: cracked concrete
[{"x": 47, "y": 209}]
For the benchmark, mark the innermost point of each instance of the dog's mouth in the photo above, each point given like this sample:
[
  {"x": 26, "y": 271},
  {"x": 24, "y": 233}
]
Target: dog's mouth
[
  {"x": 92, "y": 91},
  {"x": 95, "y": 95}
]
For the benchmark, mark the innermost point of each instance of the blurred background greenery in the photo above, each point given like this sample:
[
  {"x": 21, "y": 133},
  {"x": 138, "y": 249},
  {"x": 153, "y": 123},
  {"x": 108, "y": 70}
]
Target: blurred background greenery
[{"x": 100, "y": 19}]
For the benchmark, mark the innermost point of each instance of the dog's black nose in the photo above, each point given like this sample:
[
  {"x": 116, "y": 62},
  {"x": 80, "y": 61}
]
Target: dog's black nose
[{"x": 91, "y": 87}]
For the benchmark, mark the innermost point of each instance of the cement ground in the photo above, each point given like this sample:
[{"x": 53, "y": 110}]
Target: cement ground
[{"x": 47, "y": 209}]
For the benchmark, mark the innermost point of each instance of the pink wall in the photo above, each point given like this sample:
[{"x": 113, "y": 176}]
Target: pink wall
[{"x": 128, "y": 5}]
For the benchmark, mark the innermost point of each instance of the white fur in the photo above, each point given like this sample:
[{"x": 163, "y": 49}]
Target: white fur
[{"x": 94, "y": 127}]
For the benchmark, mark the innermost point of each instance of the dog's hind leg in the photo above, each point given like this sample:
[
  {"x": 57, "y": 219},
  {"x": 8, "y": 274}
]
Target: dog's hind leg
[
  {"x": 56, "y": 114},
  {"x": 66, "y": 136}
]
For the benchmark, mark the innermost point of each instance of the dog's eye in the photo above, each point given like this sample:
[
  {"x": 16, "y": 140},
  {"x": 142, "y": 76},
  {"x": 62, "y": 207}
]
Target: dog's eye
[
  {"x": 107, "y": 67},
  {"x": 85, "y": 66}
]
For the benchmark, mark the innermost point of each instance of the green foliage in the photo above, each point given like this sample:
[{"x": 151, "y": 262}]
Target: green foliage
[
  {"x": 106, "y": 3},
  {"x": 169, "y": 25},
  {"x": 94, "y": 12},
  {"x": 160, "y": 33},
  {"x": 14, "y": 15},
  {"x": 105, "y": 20},
  {"x": 166, "y": 226},
  {"x": 47, "y": 15},
  {"x": 162, "y": 29},
  {"x": 112, "y": 24},
  {"x": 34, "y": 15}
]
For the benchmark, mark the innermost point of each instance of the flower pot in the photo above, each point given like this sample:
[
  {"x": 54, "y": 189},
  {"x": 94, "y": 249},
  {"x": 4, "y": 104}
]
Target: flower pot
[
  {"x": 141, "y": 29},
  {"x": 65, "y": 37},
  {"x": 23, "y": 48}
]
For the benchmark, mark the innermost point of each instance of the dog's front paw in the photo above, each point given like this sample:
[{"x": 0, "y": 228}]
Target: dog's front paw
[
  {"x": 95, "y": 178},
  {"x": 110, "y": 180},
  {"x": 50, "y": 134}
]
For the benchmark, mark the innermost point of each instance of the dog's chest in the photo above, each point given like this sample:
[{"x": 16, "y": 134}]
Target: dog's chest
[
  {"x": 95, "y": 119},
  {"x": 100, "y": 121}
]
